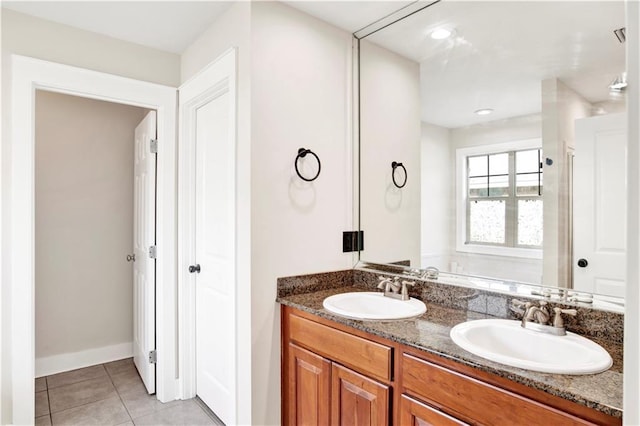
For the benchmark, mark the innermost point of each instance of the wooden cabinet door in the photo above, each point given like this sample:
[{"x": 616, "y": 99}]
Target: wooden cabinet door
[
  {"x": 309, "y": 388},
  {"x": 415, "y": 413},
  {"x": 357, "y": 400}
]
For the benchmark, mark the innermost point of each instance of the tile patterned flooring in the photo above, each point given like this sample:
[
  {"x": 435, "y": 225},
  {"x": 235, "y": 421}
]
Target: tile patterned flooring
[{"x": 111, "y": 394}]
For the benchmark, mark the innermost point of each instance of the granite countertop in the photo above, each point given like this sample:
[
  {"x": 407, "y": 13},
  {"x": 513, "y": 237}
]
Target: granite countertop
[{"x": 430, "y": 333}]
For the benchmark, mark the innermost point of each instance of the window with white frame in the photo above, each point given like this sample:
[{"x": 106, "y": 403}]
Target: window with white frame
[{"x": 501, "y": 199}]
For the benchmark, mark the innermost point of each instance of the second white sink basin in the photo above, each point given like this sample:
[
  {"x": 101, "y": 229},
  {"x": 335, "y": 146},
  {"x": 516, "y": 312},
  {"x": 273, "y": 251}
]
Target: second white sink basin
[
  {"x": 506, "y": 342},
  {"x": 373, "y": 306}
]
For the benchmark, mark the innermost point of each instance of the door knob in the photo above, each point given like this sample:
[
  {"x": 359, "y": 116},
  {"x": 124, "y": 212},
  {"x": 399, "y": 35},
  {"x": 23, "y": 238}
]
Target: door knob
[
  {"x": 194, "y": 268},
  {"x": 582, "y": 263},
  {"x": 131, "y": 257}
]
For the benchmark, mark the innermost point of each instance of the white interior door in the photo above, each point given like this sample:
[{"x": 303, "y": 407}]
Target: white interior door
[
  {"x": 144, "y": 267},
  {"x": 207, "y": 105},
  {"x": 600, "y": 205},
  {"x": 215, "y": 285}
]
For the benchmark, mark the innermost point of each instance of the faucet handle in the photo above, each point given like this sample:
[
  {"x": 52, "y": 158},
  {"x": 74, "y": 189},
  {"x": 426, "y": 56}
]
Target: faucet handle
[
  {"x": 405, "y": 290},
  {"x": 557, "y": 319},
  {"x": 395, "y": 284},
  {"x": 431, "y": 273},
  {"x": 412, "y": 272},
  {"x": 383, "y": 282},
  {"x": 518, "y": 303},
  {"x": 544, "y": 308},
  {"x": 519, "y": 307}
]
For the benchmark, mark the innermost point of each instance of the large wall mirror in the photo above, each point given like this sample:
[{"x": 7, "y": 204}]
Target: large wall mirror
[{"x": 508, "y": 122}]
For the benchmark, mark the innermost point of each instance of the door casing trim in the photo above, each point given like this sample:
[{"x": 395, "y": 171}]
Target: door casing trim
[
  {"x": 220, "y": 77},
  {"x": 18, "y": 266}
]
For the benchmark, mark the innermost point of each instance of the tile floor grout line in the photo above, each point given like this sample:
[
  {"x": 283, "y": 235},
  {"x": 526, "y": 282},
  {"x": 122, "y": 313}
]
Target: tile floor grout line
[
  {"x": 69, "y": 384},
  {"x": 199, "y": 403},
  {"x": 142, "y": 415},
  {"x": 158, "y": 410},
  {"x": 90, "y": 402},
  {"x": 82, "y": 405},
  {"x": 118, "y": 393},
  {"x": 49, "y": 402}
]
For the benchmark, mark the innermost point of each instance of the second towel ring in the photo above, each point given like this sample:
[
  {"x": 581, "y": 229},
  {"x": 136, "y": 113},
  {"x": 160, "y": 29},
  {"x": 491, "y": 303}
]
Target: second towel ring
[
  {"x": 394, "y": 166},
  {"x": 302, "y": 152}
]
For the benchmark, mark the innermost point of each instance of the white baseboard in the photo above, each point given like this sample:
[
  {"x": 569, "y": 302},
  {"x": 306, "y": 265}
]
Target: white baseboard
[{"x": 70, "y": 361}]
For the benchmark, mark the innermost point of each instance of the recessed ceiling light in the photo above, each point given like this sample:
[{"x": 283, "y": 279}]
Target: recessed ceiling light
[
  {"x": 484, "y": 111},
  {"x": 441, "y": 33}
]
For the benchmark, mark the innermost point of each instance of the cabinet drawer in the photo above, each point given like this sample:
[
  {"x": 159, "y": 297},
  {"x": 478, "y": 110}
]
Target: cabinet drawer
[
  {"x": 413, "y": 412},
  {"x": 474, "y": 401},
  {"x": 362, "y": 355}
]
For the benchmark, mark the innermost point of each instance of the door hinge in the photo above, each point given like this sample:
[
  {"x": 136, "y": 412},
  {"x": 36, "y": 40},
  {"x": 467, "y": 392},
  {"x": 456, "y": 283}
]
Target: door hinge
[
  {"x": 153, "y": 357},
  {"x": 154, "y": 146},
  {"x": 153, "y": 252}
]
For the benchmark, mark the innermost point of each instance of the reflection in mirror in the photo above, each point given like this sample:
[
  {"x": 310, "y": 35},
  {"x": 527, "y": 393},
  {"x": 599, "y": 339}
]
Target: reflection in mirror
[
  {"x": 552, "y": 294},
  {"x": 510, "y": 120}
]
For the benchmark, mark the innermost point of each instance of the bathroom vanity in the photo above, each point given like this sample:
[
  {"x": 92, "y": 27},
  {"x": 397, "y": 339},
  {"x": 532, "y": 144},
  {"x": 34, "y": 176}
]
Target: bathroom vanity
[{"x": 337, "y": 370}]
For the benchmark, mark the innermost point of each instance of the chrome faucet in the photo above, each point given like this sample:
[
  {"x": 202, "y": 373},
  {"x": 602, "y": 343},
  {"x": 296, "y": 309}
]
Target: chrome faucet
[
  {"x": 394, "y": 288},
  {"x": 538, "y": 318}
]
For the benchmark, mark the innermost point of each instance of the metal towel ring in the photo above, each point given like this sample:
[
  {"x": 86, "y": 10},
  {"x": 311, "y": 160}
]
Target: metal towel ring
[
  {"x": 302, "y": 152},
  {"x": 394, "y": 166}
]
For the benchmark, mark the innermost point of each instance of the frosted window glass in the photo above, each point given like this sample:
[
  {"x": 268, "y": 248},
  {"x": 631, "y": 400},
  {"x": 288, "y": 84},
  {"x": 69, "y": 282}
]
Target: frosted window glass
[
  {"x": 487, "y": 221},
  {"x": 530, "y": 222}
]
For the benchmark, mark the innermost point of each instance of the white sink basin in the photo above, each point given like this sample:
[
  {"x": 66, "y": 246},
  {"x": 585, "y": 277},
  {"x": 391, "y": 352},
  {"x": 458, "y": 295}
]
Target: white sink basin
[
  {"x": 506, "y": 342},
  {"x": 374, "y": 306}
]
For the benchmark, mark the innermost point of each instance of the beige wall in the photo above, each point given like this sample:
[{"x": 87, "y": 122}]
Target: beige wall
[
  {"x": 632, "y": 296},
  {"x": 390, "y": 131},
  {"x": 232, "y": 29},
  {"x": 84, "y": 223},
  {"x": 38, "y": 38},
  {"x": 300, "y": 97},
  {"x": 561, "y": 106},
  {"x": 294, "y": 82},
  {"x": 437, "y": 205}
]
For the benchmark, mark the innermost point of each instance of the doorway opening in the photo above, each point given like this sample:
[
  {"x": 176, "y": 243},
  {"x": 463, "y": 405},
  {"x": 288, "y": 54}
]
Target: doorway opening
[
  {"x": 95, "y": 196},
  {"x": 29, "y": 75},
  {"x": 84, "y": 228}
]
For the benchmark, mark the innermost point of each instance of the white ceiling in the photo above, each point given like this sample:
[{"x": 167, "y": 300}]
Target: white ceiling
[
  {"x": 501, "y": 51},
  {"x": 170, "y": 26},
  {"x": 349, "y": 15},
  {"x": 497, "y": 59},
  {"x": 173, "y": 25}
]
